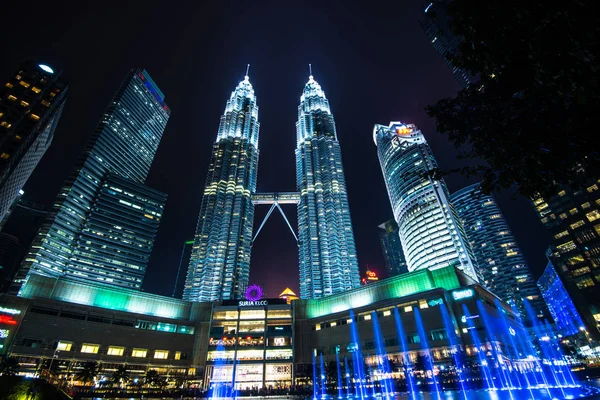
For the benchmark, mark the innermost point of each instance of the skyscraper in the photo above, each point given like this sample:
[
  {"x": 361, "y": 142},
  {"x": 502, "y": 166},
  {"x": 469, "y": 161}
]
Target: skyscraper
[
  {"x": 82, "y": 226},
  {"x": 328, "y": 261},
  {"x": 389, "y": 236},
  {"x": 500, "y": 261},
  {"x": 435, "y": 23},
  {"x": 573, "y": 218},
  {"x": 220, "y": 263},
  {"x": 31, "y": 103},
  {"x": 431, "y": 233}
]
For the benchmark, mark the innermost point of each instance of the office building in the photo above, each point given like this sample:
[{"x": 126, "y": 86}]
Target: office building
[
  {"x": 20, "y": 227},
  {"x": 572, "y": 217},
  {"x": 431, "y": 233},
  {"x": 31, "y": 103},
  {"x": 435, "y": 23},
  {"x": 220, "y": 263},
  {"x": 119, "y": 153},
  {"x": 328, "y": 262},
  {"x": 500, "y": 261},
  {"x": 389, "y": 237}
]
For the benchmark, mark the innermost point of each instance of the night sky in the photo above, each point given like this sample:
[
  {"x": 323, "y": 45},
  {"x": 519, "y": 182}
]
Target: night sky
[{"x": 372, "y": 59}]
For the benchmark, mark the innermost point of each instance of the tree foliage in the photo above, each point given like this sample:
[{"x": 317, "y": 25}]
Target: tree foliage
[
  {"x": 533, "y": 115},
  {"x": 9, "y": 366},
  {"x": 88, "y": 372}
]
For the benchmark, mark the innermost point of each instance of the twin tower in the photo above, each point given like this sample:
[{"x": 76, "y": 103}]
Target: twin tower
[{"x": 220, "y": 263}]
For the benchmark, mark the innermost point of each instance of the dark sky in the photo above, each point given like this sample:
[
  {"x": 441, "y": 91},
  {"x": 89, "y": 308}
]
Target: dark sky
[{"x": 371, "y": 58}]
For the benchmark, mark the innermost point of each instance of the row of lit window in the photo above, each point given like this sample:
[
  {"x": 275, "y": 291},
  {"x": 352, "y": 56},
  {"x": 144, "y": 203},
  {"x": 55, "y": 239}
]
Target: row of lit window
[{"x": 91, "y": 348}]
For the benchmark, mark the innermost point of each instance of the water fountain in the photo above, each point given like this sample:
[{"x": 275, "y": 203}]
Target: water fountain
[{"x": 505, "y": 363}]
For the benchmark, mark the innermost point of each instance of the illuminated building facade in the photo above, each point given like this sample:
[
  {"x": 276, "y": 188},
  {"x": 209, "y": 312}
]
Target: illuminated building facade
[
  {"x": 328, "y": 262},
  {"x": 431, "y": 233},
  {"x": 31, "y": 103},
  {"x": 252, "y": 344},
  {"x": 500, "y": 262},
  {"x": 566, "y": 318},
  {"x": 220, "y": 263},
  {"x": 79, "y": 238},
  {"x": 389, "y": 236},
  {"x": 435, "y": 23},
  {"x": 572, "y": 217}
]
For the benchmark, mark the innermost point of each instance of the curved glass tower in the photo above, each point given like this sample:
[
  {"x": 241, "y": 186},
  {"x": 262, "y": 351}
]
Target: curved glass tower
[
  {"x": 328, "y": 261},
  {"x": 501, "y": 264},
  {"x": 220, "y": 262},
  {"x": 431, "y": 233}
]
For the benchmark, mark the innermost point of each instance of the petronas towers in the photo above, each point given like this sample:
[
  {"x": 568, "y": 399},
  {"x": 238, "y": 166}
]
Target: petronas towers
[{"x": 220, "y": 263}]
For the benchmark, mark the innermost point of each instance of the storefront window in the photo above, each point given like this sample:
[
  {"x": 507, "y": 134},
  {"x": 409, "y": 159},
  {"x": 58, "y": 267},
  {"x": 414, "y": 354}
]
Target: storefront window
[
  {"x": 252, "y": 314},
  {"x": 250, "y": 355},
  {"x": 279, "y": 314},
  {"x": 252, "y": 326},
  {"x": 228, "y": 314},
  {"x": 220, "y": 355},
  {"x": 279, "y": 354}
]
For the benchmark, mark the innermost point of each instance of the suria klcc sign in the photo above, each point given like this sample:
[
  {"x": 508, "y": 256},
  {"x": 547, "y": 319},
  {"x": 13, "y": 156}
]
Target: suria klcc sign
[{"x": 250, "y": 303}]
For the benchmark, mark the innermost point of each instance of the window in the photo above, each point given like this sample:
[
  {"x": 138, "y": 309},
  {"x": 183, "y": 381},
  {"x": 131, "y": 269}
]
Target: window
[
  {"x": 141, "y": 353},
  {"x": 561, "y": 234},
  {"x": 586, "y": 205},
  {"x": 24, "y": 103},
  {"x": 24, "y": 84},
  {"x": 8, "y": 85},
  {"x": 64, "y": 346},
  {"x": 592, "y": 188},
  {"x": 34, "y": 117},
  {"x": 115, "y": 351},
  {"x": 36, "y": 89},
  {"x": 177, "y": 355},
  {"x": 573, "y": 211},
  {"x": 161, "y": 354},
  {"x": 577, "y": 224},
  {"x": 11, "y": 97},
  {"x": 90, "y": 348},
  {"x": 562, "y": 193},
  {"x": 593, "y": 215},
  {"x": 5, "y": 124}
]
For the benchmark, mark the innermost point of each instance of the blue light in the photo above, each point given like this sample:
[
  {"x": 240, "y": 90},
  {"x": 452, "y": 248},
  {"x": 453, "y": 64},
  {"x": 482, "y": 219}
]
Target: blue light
[
  {"x": 46, "y": 68},
  {"x": 462, "y": 294}
]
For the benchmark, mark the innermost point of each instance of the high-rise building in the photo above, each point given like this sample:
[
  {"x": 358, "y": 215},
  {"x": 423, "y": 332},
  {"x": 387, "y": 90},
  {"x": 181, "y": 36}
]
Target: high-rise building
[
  {"x": 500, "y": 261},
  {"x": 328, "y": 262},
  {"x": 573, "y": 218},
  {"x": 31, "y": 103},
  {"x": 108, "y": 180},
  {"x": 431, "y": 233},
  {"x": 566, "y": 318},
  {"x": 20, "y": 228},
  {"x": 389, "y": 236},
  {"x": 219, "y": 267},
  {"x": 435, "y": 23}
]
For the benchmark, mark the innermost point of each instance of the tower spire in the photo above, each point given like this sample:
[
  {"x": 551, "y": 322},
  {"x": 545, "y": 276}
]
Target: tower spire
[
  {"x": 247, "y": 71},
  {"x": 310, "y": 69}
]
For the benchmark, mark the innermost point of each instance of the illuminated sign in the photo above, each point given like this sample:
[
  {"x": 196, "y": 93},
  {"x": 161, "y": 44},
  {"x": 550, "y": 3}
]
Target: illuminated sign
[
  {"x": 4, "y": 333},
  {"x": 254, "y": 293},
  {"x": 12, "y": 311},
  {"x": 250, "y": 303},
  {"x": 5, "y": 319},
  {"x": 46, "y": 68},
  {"x": 464, "y": 318},
  {"x": 462, "y": 294}
]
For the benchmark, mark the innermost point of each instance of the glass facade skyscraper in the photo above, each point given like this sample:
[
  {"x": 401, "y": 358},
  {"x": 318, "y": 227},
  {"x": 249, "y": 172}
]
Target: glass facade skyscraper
[
  {"x": 501, "y": 264},
  {"x": 389, "y": 236},
  {"x": 82, "y": 227},
  {"x": 431, "y": 233},
  {"x": 219, "y": 267},
  {"x": 435, "y": 23},
  {"x": 328, "y": 262},
  {"x": 573, "y": 218},
  {"x": 31, "y": 103}
]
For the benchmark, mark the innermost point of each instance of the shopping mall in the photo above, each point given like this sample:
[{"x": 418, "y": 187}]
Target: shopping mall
[{"x": 264, "y": 343}]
